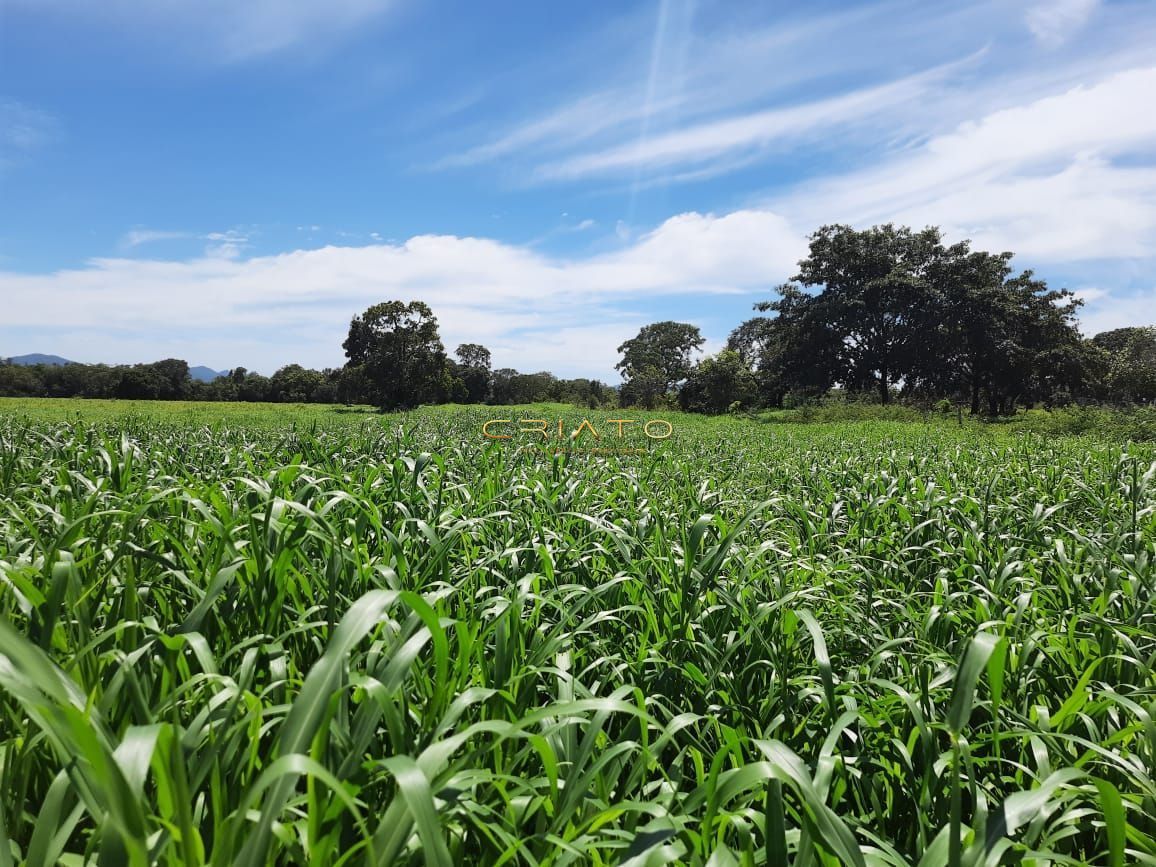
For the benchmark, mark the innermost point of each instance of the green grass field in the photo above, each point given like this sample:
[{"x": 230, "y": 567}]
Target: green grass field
[{"x": 257, "y": 635}]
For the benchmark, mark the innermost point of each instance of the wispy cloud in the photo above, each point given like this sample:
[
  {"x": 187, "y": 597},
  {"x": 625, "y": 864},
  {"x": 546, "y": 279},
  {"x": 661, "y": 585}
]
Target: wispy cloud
[
  {"x": 687, "y": 76},
  {"x": 1053, "y": 22},
  {"x": 231, "y": 30},
  {"x": 573, "y": 123},
  {"x": 221, "y": 245},
  {"x": 226, "y": 245},
  {"x": 137, "y": 237},
  {"x": 726, "y": 98},
  {"x": 707, "y": 142},
  {"x": 23, "y": 130}
]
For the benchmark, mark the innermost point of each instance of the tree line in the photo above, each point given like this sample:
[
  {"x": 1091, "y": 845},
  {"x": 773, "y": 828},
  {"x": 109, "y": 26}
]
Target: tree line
[
  {"x": 882, "y": 314},
  {"x": 887, "y": 314},
  {"x": 467, "y": 379},
  {"x": 169, "y": 380}
]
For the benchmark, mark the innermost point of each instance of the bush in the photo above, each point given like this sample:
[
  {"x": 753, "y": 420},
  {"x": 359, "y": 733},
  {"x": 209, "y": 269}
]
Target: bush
[
  {"x": 1137, "y": 424},
  {"x": 833, "y": 412}
]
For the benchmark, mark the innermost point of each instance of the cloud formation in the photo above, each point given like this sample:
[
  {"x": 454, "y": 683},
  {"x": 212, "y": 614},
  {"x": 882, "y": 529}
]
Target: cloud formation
[
  {"x": 221, "y": 245},
  {"x": 1059, "y": 179},
  {"x": 533, "y": 310},
  {"x": 1053, "y": 22},
  {"x": 866, "y": 82},
  {"x": 707, "y": 142}
]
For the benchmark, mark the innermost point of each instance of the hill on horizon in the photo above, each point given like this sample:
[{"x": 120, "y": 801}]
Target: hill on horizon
[
  {"x": 39, "y": 358},
  {"x": 200, "y": 373}
]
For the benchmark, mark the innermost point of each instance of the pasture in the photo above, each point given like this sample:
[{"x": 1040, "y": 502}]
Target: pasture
[{"x": 300, "y": 635}]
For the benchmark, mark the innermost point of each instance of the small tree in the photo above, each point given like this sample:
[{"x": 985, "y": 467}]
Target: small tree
[
  {"x": 717, "y": 384},
  {"x": 295, "y": 384},
  {"x": 646, "y": 388},
  {"x": 502, "y": 386},
  {"x": 473, "y": 371},
  {"x": 1129, "y": 362},
  {"x": 656, "y": 360}
]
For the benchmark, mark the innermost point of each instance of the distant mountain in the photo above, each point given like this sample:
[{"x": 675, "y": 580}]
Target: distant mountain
[
  {"x": 199, "y": 373},
  {"x": 204, "y": 374},
  {"x": 38, "y": 358}
]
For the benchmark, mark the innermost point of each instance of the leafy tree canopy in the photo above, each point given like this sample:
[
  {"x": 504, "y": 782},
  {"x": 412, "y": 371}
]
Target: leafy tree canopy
[
  {"x": 398, "y": 347},
  {"x": 658, "y": 358}
]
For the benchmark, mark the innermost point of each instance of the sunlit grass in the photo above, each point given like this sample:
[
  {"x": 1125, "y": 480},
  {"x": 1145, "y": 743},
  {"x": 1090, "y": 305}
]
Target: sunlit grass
[{"x": 320, "y": 638}]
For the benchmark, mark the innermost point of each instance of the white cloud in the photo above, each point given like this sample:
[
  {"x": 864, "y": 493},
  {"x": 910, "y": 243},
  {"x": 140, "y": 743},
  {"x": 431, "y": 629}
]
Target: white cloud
[
  {"x": 1056, "y": 179},
  {"x": 1090, "y": 294},
  {"x": 583, "y": 119},
  {"x": 533, "y": 310},
  {"x": 1053, "y": 22},
  {"x": 225, "y": 245},
  {"x": 583, "y": 348},
  {"x": 1118, "y": 310}
]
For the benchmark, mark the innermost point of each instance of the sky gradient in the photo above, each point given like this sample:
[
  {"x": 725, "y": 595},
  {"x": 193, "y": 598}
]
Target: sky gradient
[{"x": 229, "y": 183}]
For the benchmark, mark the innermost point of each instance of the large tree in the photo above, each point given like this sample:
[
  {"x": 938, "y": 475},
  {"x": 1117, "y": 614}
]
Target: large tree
[
  {"x": 796, "y": 351},
  {"x": 1001, "y": 337},
  {"x": 877, "y": 299},
  {"x": 502, "y": 386},
  {"x": 656, "y": 360},
  {"x": 974, "y": 304},
  {"x": 397, "y": 347},
  {"x": 898, "y": 308}
]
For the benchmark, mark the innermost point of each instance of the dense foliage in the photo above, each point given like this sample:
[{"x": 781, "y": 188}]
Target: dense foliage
[
  {"x": 897, "y": 310},
  {"x": 390, "y": 641},
  {"x": 1127, "y": 364},
  {"x": 656, "y": 360},
  {"x": 290, "y": 384}
]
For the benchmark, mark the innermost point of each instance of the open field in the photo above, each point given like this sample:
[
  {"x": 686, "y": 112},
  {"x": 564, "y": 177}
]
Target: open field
[
  {"x": 235, "y": 634},
  {"x": 248, "y": 415}
]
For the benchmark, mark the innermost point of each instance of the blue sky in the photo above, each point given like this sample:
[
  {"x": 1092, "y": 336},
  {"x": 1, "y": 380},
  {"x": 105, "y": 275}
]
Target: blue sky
[{"x": 230, "y": 182}]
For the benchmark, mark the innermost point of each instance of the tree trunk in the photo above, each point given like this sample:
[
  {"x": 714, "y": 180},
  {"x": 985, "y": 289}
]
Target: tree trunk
[
  {"x": 975, "y": 396},
  {"x": 884, "y": 391}
]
